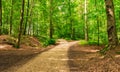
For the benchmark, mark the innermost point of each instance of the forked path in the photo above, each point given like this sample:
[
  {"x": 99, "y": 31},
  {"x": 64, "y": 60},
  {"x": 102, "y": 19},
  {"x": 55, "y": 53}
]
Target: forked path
[{"x": 54, "y": 60}]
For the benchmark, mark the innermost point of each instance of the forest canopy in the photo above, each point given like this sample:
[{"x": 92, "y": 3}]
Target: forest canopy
[{"x": 53, "y": 19}]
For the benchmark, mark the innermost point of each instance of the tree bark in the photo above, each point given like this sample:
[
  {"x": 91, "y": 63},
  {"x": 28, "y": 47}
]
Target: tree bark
[
  {"x": 21, "y": 23},
  {"x": 86, "y": 25},
  {"x": 27, "y": 14},
  {"x": 11, "y": 17},
  {"x": 51, "y": 22},
  {"x": 0, "y": 17},
  {"x": 70, "y": 20},
  {"x": 98, "y": 22},
  {"x": 111, "y": 27}
]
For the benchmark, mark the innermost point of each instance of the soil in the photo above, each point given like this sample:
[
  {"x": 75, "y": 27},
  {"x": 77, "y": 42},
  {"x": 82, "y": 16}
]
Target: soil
[{"x": 64, "y": 57}]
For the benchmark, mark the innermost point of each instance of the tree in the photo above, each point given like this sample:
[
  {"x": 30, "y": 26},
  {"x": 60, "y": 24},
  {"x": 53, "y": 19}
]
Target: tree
[
  {"x": 27, "y": 14},
  {"x": 98, "y": 21},
  {"x": 0, "y": 17},
  {"x": 111, "y": 27},
  {"x": 30, "y": 29},
  {"x": 86, "y": 25},
  {"x": 21, "y": 23},
  {"x": 70, "y": 17},
  {"x": 11, "y": 17},
  {"x": 51, "y": 22}
]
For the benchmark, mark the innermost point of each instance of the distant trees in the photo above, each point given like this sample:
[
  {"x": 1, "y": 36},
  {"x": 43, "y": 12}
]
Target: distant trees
[{"x": 111, "y": 24}]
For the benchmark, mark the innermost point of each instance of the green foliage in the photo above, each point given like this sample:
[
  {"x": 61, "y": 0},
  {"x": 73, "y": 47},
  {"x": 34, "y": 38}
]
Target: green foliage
[
  {"x": 49, "y": 42},
  {"x": 90, "y": 42},
  {"x": 83, "y": 42},
  {"x": 93, "y": 43},
  {"x": 5, "y": 31},
  {"x": 38, "y": 20}
]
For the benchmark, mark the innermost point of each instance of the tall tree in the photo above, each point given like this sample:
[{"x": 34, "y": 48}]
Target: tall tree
[
  {"x": 97, "y": 18},
  {"x": 11, "y": 17},
  {"x": 21, "y": 23},
  {"x": 30, "y": 28},
  {"x": 51, "y": 20},
  {"x": 70, "y": 17},
  {"x": 0, "y": 17},
  {"x": 27, "y": 14},
  {"x": 111, "y": 27},
  {"x": 86, "y": 25}
]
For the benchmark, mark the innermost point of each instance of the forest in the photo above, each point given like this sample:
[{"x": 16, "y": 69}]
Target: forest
[
  {"x": 42, "y": 25},
  {"x": 77, "y": 20}
]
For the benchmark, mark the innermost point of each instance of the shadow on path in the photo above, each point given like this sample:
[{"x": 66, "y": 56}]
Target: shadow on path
[
  {"x": 17, "y": 58},
  {"x": 81, "y": 58}
]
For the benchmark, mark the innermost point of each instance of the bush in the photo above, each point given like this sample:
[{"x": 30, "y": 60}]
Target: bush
[
  {"x": 49, "y": 42},
  {"x": 83, "y": 42},
  {"x": 93, "y": 43}
]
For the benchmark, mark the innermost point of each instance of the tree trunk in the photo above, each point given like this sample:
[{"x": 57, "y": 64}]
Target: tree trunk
[
  {"x": 86, "y": 25},
  {"x": 30, "y": 18},
  {"x": 21, "y": 23},
  {"x": 72, "y": 29},
  {"x": 30, "y": 23},
  {"x": 98, "y": 22},
  {"x": 51, "y": 22},
  {"x": 11, "y": 17},
  {"x": 0, "y": 17},
  {"x": 27, "y": 14},
  {"x": 111, "y": 27},
  {"x": 70, "y": 19}
]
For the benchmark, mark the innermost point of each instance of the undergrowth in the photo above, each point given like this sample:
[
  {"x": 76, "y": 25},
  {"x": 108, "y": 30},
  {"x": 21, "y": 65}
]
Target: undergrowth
[
  {"x": 49, "y": 42},
  {"x": 84, "y": 42}
]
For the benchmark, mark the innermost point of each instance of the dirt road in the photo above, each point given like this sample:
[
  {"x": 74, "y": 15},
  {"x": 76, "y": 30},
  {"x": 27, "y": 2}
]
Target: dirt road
[
  {"x": 66, "y": 57},
  {"x": 54, "y": 60}
]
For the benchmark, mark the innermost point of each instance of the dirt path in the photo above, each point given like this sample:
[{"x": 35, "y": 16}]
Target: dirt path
[
  {"x": 66, "y": 57},
  {"x": 54, "y": 60}
]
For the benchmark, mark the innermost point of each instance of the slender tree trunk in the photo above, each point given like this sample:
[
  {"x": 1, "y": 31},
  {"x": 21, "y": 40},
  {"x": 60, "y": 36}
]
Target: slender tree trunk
[
  {"x": 111, "y": 27},
  {"x": 119, "y": 27},
  {"x": 72, "y": 30},
  {"x": 31, "y": 18},
  {"x": 37, "y": 32},
  {"x": 70, "y": 20},
  {"x": 27, "y": 14},
  {"x": 21, "y": 23},
  {"x": 51, "y": 22},
  {"x": 0, "y": 17},
  {"x": 30, "y": 22},
  {"x": 11, "y": 17},
  {"x": 98, "y": 22},
  {"x": 86, "y": 25}
]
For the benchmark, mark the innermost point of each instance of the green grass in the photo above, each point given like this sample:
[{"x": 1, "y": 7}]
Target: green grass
[{"x": 84, "y": 42}]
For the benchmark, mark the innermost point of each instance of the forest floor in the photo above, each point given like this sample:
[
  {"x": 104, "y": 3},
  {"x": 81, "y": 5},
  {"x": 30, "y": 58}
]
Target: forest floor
[{"x": 64, "y": 57}]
